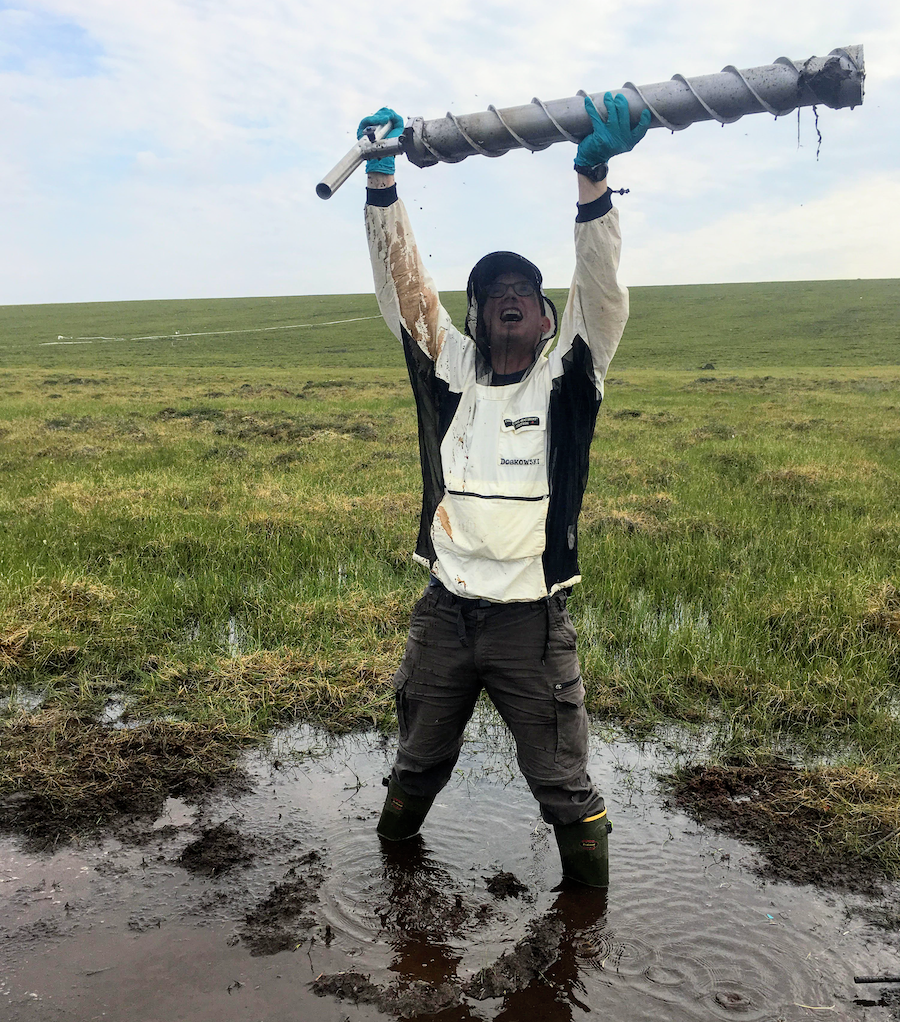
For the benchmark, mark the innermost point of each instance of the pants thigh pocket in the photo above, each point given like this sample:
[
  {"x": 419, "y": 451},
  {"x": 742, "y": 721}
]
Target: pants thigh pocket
[
  {"x": 401, "y": 702},
  {"x": 412, "y": 656},
  {"x": 571, "y": 723}
]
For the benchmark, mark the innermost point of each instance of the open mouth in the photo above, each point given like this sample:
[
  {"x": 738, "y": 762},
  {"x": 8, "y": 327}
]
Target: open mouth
[{"x": 511, "y": 316}]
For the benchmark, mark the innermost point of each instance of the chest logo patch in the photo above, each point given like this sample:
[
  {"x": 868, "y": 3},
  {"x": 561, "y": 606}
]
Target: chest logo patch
[{"x": 526, "y": 420}]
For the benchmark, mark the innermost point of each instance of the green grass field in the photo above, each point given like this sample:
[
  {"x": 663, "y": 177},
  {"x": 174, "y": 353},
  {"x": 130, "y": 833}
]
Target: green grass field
[
  {"x": 813, "y": 324},
  {"x": 208, "y": 508}
]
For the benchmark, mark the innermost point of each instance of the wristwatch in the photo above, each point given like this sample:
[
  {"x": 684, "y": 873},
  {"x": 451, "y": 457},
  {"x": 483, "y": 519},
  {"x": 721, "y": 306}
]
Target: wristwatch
[{"x": 596, "y": 173}]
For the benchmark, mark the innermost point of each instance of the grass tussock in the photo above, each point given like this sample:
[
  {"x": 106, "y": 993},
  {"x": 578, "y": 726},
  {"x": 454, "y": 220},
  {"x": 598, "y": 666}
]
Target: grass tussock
[
  {"x": 62, "y": 774},
  {"x": 883, "y": 612}
]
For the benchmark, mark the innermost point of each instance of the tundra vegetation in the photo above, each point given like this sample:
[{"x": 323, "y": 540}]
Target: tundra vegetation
[{"x": 208, "y": 509}]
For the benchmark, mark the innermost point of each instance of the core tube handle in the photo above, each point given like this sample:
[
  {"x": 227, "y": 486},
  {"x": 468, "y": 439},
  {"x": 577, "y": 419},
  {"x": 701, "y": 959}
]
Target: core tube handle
[{"x": 364, "y": 149}]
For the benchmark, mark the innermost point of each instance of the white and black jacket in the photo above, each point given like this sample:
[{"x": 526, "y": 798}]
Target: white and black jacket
[{"x": 504, "y": 468}]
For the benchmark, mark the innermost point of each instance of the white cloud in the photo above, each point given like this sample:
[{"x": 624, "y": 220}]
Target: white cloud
[
  {"x": 177, "y": 155},
  {"x": 824, "y": 239}
]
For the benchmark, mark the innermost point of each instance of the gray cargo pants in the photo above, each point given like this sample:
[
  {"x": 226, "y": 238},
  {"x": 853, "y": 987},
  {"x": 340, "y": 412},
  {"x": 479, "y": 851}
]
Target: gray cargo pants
[{"x": 524, "y": 656}]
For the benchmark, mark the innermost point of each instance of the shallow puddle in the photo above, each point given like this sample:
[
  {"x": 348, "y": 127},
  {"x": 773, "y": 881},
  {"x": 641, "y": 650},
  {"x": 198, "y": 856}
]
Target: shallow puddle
[{"x": 232, "y": 910}]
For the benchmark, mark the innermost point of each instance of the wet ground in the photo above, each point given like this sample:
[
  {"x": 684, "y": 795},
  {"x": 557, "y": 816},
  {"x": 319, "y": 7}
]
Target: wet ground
[{"x": 279, "y": 903}]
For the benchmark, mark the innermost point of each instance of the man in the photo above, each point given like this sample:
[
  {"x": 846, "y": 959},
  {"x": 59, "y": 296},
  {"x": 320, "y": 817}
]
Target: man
[{"x": 505, "y": 424}]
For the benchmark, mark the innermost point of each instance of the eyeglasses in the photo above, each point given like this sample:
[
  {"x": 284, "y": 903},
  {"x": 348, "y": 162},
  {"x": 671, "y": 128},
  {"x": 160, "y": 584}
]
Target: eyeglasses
[{"x": 521, "y": 287}]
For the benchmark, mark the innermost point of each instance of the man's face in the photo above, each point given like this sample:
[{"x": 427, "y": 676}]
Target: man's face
[{"x": 514, "y": 318}]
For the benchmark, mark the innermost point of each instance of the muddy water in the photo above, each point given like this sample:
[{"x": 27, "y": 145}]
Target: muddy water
[{"x": 231, "y": 910}]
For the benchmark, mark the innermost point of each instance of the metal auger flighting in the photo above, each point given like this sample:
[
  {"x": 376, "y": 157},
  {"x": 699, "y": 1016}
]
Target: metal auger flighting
[{"x": 835, "y": 81}]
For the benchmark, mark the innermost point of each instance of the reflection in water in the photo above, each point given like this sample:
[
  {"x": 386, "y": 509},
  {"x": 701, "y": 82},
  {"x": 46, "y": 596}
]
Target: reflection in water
[
  {"x": 689, "y": 934},
  {"x": 540, "y": 975},
  {"x": 420, "y": 914},
  {"x": 577, "y": 917}
]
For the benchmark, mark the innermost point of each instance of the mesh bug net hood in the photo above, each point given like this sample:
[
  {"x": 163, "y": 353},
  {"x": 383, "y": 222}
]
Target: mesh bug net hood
[{"x": 485, "y": 272}]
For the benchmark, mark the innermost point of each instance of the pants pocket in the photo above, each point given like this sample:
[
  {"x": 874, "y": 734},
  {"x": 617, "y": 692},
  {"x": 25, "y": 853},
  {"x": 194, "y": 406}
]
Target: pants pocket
[
  {"x": 401, "y": 700},
  {"x": 562, "y": 631},
  {"x": 418, "y": 621},
  {"x": 571, "y": 723}
]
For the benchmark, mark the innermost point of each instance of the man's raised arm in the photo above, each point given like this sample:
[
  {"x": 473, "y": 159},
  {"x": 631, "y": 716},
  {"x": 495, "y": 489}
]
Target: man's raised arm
[
  {"x": 597, "y": 309},
  {"x": 407, "y": 297}
]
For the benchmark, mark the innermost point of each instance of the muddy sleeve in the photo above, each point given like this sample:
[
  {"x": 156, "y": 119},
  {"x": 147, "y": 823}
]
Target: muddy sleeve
[
  {"x": 406, "y": 294},
  {"x": 597, "y": 309}
]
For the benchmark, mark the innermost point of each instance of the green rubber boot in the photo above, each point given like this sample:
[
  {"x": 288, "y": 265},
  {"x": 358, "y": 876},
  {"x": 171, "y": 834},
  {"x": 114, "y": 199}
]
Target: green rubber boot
[
  {"x": 584, "y": 850},
  {"x": 402, "y": 814}
]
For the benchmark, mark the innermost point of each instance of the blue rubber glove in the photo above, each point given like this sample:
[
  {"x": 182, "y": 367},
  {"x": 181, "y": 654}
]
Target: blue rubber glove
[
  {"x": 614, "y": 137},
  {"x": 383, "y": 116}
]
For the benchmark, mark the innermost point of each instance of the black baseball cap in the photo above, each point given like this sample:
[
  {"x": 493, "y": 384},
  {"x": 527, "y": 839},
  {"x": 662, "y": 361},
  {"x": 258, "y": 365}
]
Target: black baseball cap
[{"x": 486, "y": 271}]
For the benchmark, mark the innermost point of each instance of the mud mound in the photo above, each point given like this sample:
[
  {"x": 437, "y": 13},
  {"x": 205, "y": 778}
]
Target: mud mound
[
  {"x": 278, "y": 921},
  {"x": 419, "y": 998},
  {"x": 64, "y": 775},
  {"x": 439, "y": 915},
  {"x": 515, "y": 969},
  {"x": 789, "y": 815},
  {"x": 505, "y": 885},
  {"x": 424, "y": 899},
  {"x": 528, "y": 960},
  {"x": 216, "y": 851}
]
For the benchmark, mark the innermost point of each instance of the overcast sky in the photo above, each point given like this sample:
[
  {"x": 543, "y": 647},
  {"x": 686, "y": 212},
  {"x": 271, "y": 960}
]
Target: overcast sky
[{"x": 171, "y": 148}]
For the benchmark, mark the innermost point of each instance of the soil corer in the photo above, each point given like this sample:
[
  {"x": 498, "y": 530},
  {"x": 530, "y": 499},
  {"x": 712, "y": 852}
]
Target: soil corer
[{"x": 835, "y": 81}]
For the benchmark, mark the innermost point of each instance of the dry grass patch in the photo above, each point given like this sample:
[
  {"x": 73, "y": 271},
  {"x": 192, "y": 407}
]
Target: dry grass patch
[
  {"x": 84, "y": 497},
  {"x": 389, "y": 615},
  {"x": 267, "y": 687},
  {"x": 826, "y": 623},
  {"x": 641, "y": 514},
  {"x": 883, "y": 611},
  {"x": 14, "y": 649},
  {"x": 386, "y": 506},
  {"x": 73, "y": 603},
  {"x": 800, "y": 476}
]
